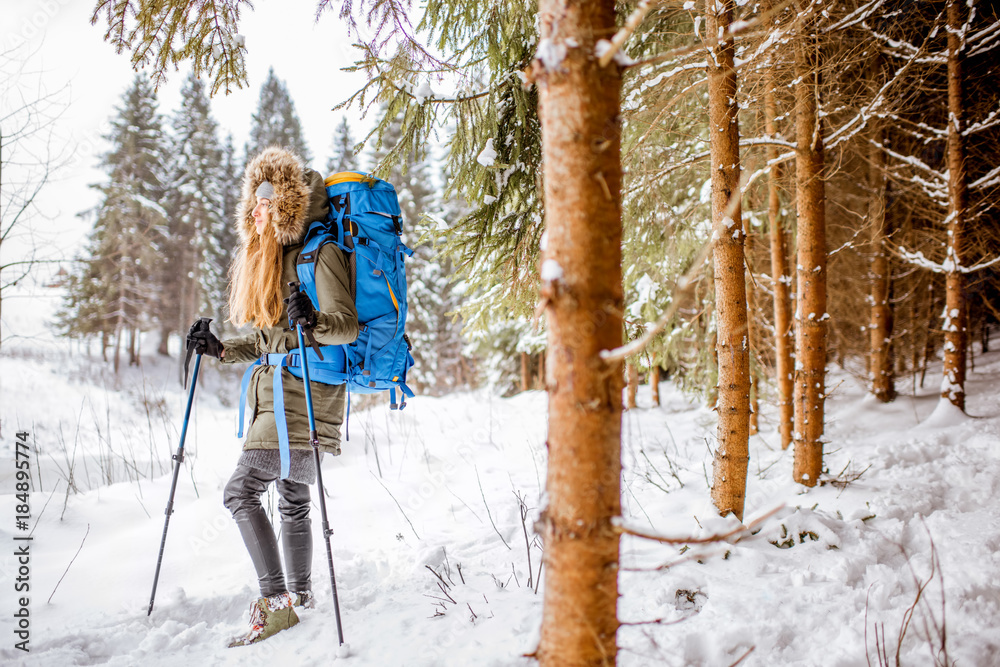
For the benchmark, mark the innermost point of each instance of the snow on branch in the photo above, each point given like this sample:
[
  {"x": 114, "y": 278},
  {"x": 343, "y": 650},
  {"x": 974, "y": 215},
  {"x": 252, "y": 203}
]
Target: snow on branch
[
  {"x": 634, "y": 19},
  {"x": 988, "y": 38},
  {"x": 992, "y": 119},
  {"x": 948, "y": 266},
  {"x": 911, "y": 160},
  {"x": 936, "y": 134},
  {"x": 860, "y": 121},
  {"x": 857, "y": 16},
  {"x": 990, "y": 179}
]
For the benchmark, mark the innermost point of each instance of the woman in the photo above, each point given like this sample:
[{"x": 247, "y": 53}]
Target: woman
[{"x": 280, "y": 199}]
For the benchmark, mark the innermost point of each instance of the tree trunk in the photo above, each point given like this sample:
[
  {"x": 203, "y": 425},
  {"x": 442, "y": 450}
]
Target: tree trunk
[
  {"x": 654, "y": 383},
  {"x": 540, "y": 376},
  {"x": 880, "y": 370},
  {"x": 955, "y": 334},
  {"x": 810, "y": 315},
  {"x": 754, "y": 369},
  {"x": 732, "y": 343},
  {"x": 579, "y": 108},
  {"x": 969, "y": 339},
  {"x": 929, "y": 342},
  {"x": 163, "y": 348},
  {"x": 780, "y": 280},
  {"x": 632, "y": 385},
  {"x": 525, "y": 376}
]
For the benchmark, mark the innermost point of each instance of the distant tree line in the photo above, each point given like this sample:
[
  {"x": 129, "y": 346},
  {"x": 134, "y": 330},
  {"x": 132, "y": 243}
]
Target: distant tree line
[{"x": 164, "y": 236}]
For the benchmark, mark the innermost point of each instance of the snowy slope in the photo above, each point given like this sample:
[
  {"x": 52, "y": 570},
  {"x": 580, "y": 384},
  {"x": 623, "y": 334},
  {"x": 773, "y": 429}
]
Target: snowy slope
[{"x": 437, "y": 486}]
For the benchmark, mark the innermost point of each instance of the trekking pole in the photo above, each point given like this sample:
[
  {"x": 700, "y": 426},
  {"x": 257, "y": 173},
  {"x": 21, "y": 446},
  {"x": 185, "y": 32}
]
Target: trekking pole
[
  {"x": 314, "y": 441},
  {"x": 178, "y": 459}
]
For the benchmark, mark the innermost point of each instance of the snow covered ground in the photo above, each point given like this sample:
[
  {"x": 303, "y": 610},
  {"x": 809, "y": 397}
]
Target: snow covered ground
[{"x": 440, "y": 487}]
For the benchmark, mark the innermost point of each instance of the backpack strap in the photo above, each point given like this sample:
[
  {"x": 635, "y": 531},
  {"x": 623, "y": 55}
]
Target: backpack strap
[
  {"x": 292, "y": 360},
  {"x": 280, "y": 423}
]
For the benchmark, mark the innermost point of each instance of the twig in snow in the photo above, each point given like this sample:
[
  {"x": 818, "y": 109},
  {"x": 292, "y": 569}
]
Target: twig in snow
[
  {"x": 721, "y": 537},
  {"x": 436, "y": 574},
  {"x": 70, "y": 564},
  {"x": 523, "y": 507},
  {"x": 744, "y": 656},
  {"x": 39, "y": 517},
  {"x": 397, "y": 503},
  {"x": 488, "y": 513}
]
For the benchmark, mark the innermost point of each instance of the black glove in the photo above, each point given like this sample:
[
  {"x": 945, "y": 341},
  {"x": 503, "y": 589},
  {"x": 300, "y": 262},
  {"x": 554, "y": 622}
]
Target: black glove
[
  {"x": 201, "y": 339},
  {"x": 300, "y": 309}
]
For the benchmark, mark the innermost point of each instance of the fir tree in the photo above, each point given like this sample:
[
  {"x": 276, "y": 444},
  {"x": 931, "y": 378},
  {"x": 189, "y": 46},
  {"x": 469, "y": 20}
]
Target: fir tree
[
  {"x": 343, "y": 158},
  {"x": 432, "y": 295},
  {"x": 196, "y": 272},
  {"x": 225, "y": 238},
  {"x": 275, "y": 123},
  {"x": 118, "y": 285}
]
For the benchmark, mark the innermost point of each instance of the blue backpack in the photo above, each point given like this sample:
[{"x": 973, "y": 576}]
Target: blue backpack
[{"x": 364, "y": 222}]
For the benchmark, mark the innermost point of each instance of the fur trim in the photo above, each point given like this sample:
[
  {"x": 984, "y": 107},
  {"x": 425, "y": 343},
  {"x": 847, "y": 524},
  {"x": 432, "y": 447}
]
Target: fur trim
[{"x": 284, "y": 171}]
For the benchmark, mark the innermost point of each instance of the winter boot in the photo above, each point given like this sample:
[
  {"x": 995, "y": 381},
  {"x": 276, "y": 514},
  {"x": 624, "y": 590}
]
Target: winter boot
[
  {"x": 304, "y": 599},
  {"x": 268, "y": 616}
]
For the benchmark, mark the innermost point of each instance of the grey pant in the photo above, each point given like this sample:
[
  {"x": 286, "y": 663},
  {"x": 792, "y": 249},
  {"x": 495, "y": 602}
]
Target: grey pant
[{"x": 242, "y": 498}]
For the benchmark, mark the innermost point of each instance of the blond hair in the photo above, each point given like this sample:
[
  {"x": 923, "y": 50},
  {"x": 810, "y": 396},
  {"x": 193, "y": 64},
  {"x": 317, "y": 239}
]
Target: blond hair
[{"x": 255, "y": 295}]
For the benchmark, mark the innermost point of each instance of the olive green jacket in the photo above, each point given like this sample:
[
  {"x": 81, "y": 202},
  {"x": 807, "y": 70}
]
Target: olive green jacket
[{"x": 337, "y": 323}]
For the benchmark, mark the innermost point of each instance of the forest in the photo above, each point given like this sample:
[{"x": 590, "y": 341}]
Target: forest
[{"x": 737, "y": 195}]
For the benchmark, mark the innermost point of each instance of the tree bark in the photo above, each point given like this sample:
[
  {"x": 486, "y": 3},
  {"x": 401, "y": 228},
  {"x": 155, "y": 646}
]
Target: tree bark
[
  {"x": 955, "y": 333},
  {"x": 579, "y": 108},
  {"x": 525, "y": 377},
  {"x": 881, "y": 370},
  {"x": 654, "y": 383},
  {"x": 810, "y": 315},
  {"x": 540, "y": 377},
  {"x": 754, "y": 369},
  {"x": 732, "y": 342},
  {"x": 780, "y": 280},
  {"x": 632, "y": 386}
]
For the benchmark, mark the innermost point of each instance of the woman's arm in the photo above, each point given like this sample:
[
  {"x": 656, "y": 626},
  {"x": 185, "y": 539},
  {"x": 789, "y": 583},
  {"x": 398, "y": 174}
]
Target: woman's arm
[
  {"x": 240, "y": 349},
  {"x": 337, "y": 318}
]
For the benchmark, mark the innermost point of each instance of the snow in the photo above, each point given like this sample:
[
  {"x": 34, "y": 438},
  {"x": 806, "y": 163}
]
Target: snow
[
  {"x": 425, "y": 487},
  {"x": 602, "y": 47},
  {"x": 689, "y": 5},
  {"x": 488, "y": 155},
  {"x": 551, "y": 270},
  {"x": 551, "y": 53}
]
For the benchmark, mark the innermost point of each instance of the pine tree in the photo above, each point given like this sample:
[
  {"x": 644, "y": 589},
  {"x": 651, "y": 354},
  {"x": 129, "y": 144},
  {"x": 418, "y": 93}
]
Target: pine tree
[
  {"x": 584, "y": 301},
  {"x": 433, "y": 295},
  {"x": 811, "y": 316},
  {"x": 196, "y": 209},
  {"x": 276, "y": 123},
  {"x": 732, "y": 455},
  {"x": 224, "y": 238},
  {"x": 119, "y": 284},
  {"x": 342, "y": 158}
]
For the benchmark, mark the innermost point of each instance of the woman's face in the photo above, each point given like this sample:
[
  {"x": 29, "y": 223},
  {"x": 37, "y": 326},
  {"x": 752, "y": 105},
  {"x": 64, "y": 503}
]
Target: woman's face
[{"x": 262, "y": 214}]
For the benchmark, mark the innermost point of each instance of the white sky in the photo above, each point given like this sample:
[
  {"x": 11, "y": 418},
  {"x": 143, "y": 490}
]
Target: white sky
[{"x": 61, "y": 48}]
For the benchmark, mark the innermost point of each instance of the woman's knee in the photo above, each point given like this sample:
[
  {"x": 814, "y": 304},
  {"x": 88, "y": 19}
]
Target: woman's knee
[
  {"x": 293, "y": 503},
  {"x": 243, "y": 490}
]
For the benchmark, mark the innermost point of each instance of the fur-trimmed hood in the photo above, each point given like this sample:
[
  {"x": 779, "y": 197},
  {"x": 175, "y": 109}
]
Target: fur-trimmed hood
[{"x": 299, "y": 195}]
